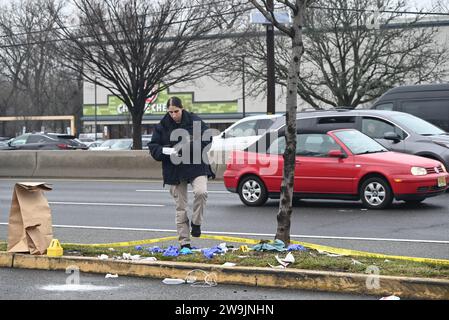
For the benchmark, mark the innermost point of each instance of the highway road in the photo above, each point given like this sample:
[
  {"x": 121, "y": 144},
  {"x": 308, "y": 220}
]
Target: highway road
[
  {"x": 105, "y": 211},
  {"x": 92, "y": 211}
]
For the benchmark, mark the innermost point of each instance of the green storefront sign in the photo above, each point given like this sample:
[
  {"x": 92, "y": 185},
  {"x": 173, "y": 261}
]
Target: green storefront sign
[{"x": 116, "y": 107}]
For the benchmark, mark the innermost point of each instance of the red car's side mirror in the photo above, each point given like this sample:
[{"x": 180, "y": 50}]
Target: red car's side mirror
[{"x": 336, "y": 154}]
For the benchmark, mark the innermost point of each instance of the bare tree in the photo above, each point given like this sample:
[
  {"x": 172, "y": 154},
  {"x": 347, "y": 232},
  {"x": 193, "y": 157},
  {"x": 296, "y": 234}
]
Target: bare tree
[
  {"x": 137, "y": 48},
  {"x": 294, "y": 32},
  {"x": 356, "y": 50},
  {"x": 30, "y": 68}
]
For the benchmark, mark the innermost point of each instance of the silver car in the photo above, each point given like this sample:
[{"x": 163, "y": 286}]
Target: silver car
[{"x": 396, "y": 131}]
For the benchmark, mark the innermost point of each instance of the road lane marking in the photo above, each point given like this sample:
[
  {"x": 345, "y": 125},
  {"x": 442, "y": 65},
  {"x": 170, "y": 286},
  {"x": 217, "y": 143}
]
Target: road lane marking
[
  {"x": 190, "y": 191},
  {"x": 107, "y": 204},
  {"x": 251, "y": 234}
]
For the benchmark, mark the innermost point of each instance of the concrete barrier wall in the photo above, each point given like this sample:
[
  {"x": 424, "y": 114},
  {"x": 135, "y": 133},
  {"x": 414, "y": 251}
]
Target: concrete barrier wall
[
  {"x": 83, "y": 164},
  {"x": 17, "y": 163}
]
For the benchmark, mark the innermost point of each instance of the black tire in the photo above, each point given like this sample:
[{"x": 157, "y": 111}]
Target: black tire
[
  {"x": 376, "y": 193},
  {"x": 252, "y": 191}
]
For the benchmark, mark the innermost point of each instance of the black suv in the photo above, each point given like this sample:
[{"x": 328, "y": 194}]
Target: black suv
[
  {"x": 396, "y": 131},
  {"x": 44, "y": 141},
  {"x": 429, "y": 102}
]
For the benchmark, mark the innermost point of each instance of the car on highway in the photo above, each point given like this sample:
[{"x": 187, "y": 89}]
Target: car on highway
[
  {"x": 339, "y": 164},
  {"x": 426, "y": 101},
  {"x": 396, "y": 131},
  {"x": 44, "y": 141},
  {"x": 119, "y": 144},
  {"x": 238, "y": 136}
]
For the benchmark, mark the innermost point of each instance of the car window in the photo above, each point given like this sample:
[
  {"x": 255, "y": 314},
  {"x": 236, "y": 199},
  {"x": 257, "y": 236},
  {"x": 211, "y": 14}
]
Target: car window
[
  {"x": 244, "y": 129},
  {"x": 358, "y": 142},
  {"x": 263, "y": 124},
  {"x": 122, "y": 144},
  {"x": 311, "y": 145},
  {"x": 376, "y": 128},
  {"x": 19, "y": 140},
  {"x": 435, "y": 111},
  {"x": 418, "y": 125},
  {"x": 336, "y": 122},
  {"x": 38, "y": 139},
  {"x": 385, "y": 106},
  {"x": 315, "y": 145},
  {"x": 108, "y": 143},
  {"x": 277, "y": 146}
]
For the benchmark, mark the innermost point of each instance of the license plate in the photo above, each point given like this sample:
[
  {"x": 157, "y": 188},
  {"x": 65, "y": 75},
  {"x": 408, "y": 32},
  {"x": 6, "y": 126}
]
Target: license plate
[{"x": 441, "y": 181}]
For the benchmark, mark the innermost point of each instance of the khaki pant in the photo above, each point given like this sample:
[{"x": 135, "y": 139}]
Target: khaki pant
[{"x": 179, "y": 193}]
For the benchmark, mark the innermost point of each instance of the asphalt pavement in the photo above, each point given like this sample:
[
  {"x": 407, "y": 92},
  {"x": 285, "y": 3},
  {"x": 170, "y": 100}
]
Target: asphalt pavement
[
  {"x": 19, "y": 284},
  {"x": 111, "y": 211}
]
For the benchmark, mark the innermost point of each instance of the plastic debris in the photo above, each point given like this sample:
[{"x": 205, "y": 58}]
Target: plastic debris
[
  {"x": 155, "y": 250},
  {"x": 111, "y": 249},
  {"x": 223, "y": 247},
  {"x": 356, "y": 262},
  {"x": 128, "y": 256},
  {"x": 174, "y": 281},
  {"x": 139, "y": 248},
  {"x": 103, "y": 257},
  {"x": 276, "y": 245},
  {"x": 209, "y": 253},
  {"x": 208, "y": 279},
  {"x": 393, "y": 297},
  {"x": 244, "y": 248},
  {"x": 185, "y": 251},
  {"x": 228, "y": 264},
  {"x": 296, "y": 247},
  {"x": 172, "y": 251},
  {"x": 111, "y": 276},
  {"x": 149, "y": 259},
  {"x": 333, "y": 255},
  {"x": 289, "y": 259}
]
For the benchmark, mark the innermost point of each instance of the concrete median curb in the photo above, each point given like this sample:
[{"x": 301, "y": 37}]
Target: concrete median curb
[
  {"x": 134, "y": 164},
  {"x": 416, "y": 288}
]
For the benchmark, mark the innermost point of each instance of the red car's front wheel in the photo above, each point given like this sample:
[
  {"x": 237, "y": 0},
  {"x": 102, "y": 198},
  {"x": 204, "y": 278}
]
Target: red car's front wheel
[
  {"x": 376, "y": 193},
  {"x": 252, "y": 191}
]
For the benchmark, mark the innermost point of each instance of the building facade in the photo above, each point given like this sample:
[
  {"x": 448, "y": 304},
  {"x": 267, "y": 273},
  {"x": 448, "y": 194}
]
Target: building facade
[{"x": 217, "y": 104}]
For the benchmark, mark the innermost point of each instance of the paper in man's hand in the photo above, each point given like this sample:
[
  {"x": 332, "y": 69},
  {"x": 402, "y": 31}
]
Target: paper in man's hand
[{"x": 168, "y": 151}]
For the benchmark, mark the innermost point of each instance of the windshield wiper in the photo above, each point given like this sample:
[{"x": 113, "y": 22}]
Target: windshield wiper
[{"x": 373, "y": 151}]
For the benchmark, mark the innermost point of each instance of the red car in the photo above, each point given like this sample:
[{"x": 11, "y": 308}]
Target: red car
[{"x": 340, "y": 164}]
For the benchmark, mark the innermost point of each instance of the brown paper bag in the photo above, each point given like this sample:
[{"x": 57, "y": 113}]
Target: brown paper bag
[{"x": 30, "y": 226}]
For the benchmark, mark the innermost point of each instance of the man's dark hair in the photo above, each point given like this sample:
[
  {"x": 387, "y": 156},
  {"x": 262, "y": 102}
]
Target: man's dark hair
[{"x": 174, "y": 101}]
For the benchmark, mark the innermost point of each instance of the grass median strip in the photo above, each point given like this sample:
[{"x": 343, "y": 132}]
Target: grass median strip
[{"x": 308, "y": 260}]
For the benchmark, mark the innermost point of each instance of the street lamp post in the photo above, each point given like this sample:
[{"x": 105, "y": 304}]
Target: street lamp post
[
  {"x": 243, "y": 88},
  {"x": 95, "y": 89},
  {"x": 271, "y": 100}
]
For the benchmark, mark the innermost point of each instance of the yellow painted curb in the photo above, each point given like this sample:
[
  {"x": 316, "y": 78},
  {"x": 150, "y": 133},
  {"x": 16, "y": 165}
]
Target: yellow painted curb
[
  {"x": 417, "y": 288},
  {"x": 6, "y": 259}
]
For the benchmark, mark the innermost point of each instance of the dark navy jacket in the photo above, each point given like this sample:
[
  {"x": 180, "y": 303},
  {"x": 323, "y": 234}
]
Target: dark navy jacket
[{"x": 173, "y": 173}]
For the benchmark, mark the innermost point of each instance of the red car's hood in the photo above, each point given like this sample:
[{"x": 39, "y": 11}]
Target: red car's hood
[{"x": 391, "y": 157}]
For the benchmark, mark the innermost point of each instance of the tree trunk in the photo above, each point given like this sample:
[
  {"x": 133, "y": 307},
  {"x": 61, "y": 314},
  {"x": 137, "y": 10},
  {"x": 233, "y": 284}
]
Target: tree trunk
[
  {"x": 285, "y": 205},
  {"x": 137, "y": 129}
]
